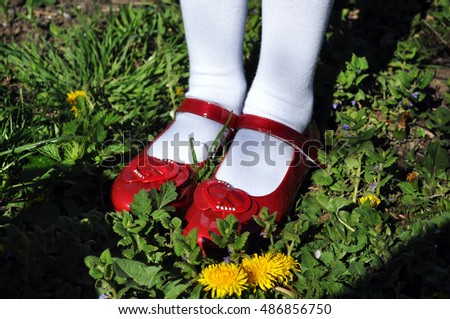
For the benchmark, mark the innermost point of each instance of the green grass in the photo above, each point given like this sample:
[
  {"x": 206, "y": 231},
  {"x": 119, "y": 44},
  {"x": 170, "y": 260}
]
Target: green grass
[{"x": 381, "y": 116}]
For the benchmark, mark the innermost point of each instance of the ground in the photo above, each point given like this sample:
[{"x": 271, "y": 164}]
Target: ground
[
  {"x": 382, "y": 89},
  {"x": 14, "y": 28}
]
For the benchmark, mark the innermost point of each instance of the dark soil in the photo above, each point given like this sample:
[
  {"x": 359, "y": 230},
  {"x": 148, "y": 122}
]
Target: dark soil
[{"x": 18, "y": 22}]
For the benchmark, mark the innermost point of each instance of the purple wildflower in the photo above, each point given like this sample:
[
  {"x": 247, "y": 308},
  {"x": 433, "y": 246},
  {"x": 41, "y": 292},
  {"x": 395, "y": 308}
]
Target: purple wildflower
[
  {"x": 335, "y": 106},
  {"x": 415, "y": 95},
  {"x": 226, "y": 259},
  {"x": 346, "y": 127},
  {"x": 353, "y": 102},
  {"x": 376, "y": 167},
  {"x": 373, "y": 186},
  {"x": 103, "y": 296}
]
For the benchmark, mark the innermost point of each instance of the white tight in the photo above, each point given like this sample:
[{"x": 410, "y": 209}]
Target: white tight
[{"x": 292, "y": 35}]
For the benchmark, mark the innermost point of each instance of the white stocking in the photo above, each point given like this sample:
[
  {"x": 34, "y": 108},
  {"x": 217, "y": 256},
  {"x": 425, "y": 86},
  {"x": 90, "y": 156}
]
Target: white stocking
[
  {"x": 214, "y": 35},
  {"x": 292, "y": 35}
]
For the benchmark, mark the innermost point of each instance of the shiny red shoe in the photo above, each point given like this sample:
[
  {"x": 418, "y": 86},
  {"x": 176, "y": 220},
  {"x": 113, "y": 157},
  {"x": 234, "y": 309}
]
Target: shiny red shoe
[
  {"x": 215, "y": 199},
  {"x": 147, "y": 172}
]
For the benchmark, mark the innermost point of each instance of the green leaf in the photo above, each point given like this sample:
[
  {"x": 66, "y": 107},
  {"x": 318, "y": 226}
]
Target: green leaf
[
  {"x": 350, "y": 77},
  {"x": 368, "y": 134},
  {"x": 327, "y": 258},
  {"x": 192, "y": 237},
  {"x": 442, "y": 115},
  {"x": 363, "y": 64},
  {"x": 338, "y": 269},
  {"x": 101, "y": 133},
  {"x": 436, "y": 158},
  {"x": 393, "y": 90},
  {"x": 362, "y": 240},
  {"x": 352, "y": 162},
  {"x": 219, "y": 241},
  {"x": 160, "y": 215},
  {"x": 322, "y": 178},
  {"x": 95, "y": 273},
  {"x": 195, "y": 255},
  {"x": 290, "y": 236},
  {"x": 70, "y": 128},
  {"x": 374, "y": 156},
  {"x": 222, "y": 226},
  {"x": 342, "y": 78},
  {"x": 232, "y": 221},
  {"x": 339, "y": 202},
  {"x": 426, "y": 79},
  {"x": 142, "y": 245},
  {"x": 108, "y": 272},
  {"x": 360, "y": 78},
  {"x": 357, "y": 268},
  {"x": 176, "y": 222},
  {"x": 142, "y": 274},
  {"x": 105, "y": 256},
  {"x": 369, "y": 216},
  {"x": 173, "y": 289},
  {"x": 51, "y": 151},
  {"x": 406, "y": 188},
  {"x": 259, "y": 221},
  {"x": 345, "y": 217},
  {"x": 167, "y": 194},
  {"x": 195, "y": 294},
  {"x": 360, "y": 95},
  {"x": 324, "y": 201},
  {"x": 180, "y": 246},
  {"x": 240, "y": 242},
  {"x": 399, "y": 134},
  {"x": 91, "y": 261},
  {"x": 404, "y": 78},
  {"x": 103, "y": 286},
  {"x": 308, "y": 262},
  {"x": 417, "y": 229},
  {"x": 142, "y": 204}
]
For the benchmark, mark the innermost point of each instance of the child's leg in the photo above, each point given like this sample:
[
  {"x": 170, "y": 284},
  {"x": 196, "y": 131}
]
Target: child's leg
[
  {"x": 292, "y": 34},
  {"x": 214, "y": 34}
]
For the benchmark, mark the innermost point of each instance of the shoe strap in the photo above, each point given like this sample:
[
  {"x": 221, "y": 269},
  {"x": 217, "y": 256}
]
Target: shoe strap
[
  {"x": 271, "y": 127},
  {"x": 209, "y": 110},
  {"x": 307, "y": 145}
]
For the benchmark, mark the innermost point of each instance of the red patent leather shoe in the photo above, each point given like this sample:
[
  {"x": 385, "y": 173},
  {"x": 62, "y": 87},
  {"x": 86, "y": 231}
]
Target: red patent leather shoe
[
  {"x": 215, "y": 199},
  {"x": 147, "y": 172}
]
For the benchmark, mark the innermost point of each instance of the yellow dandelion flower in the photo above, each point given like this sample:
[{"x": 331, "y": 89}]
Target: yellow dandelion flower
[
  {"x": 223, "y": 280},
  {"x": 266, "y": 270},
  {"x": 259, "y": 271},
  {"x": 373, "y": 200},
  {"x": 76, "y": 111},
  {"x": 284, "y": 265},
  {"x": 179, "y": 91},
  {"x": 72, "y": 96}
]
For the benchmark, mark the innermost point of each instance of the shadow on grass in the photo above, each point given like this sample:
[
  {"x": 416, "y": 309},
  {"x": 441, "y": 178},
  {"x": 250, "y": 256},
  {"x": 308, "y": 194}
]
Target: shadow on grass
[
  {"x": 417, "y": 269},
  {"x": 43, "y": 248},
  {"x": 373, "y": 31}
]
